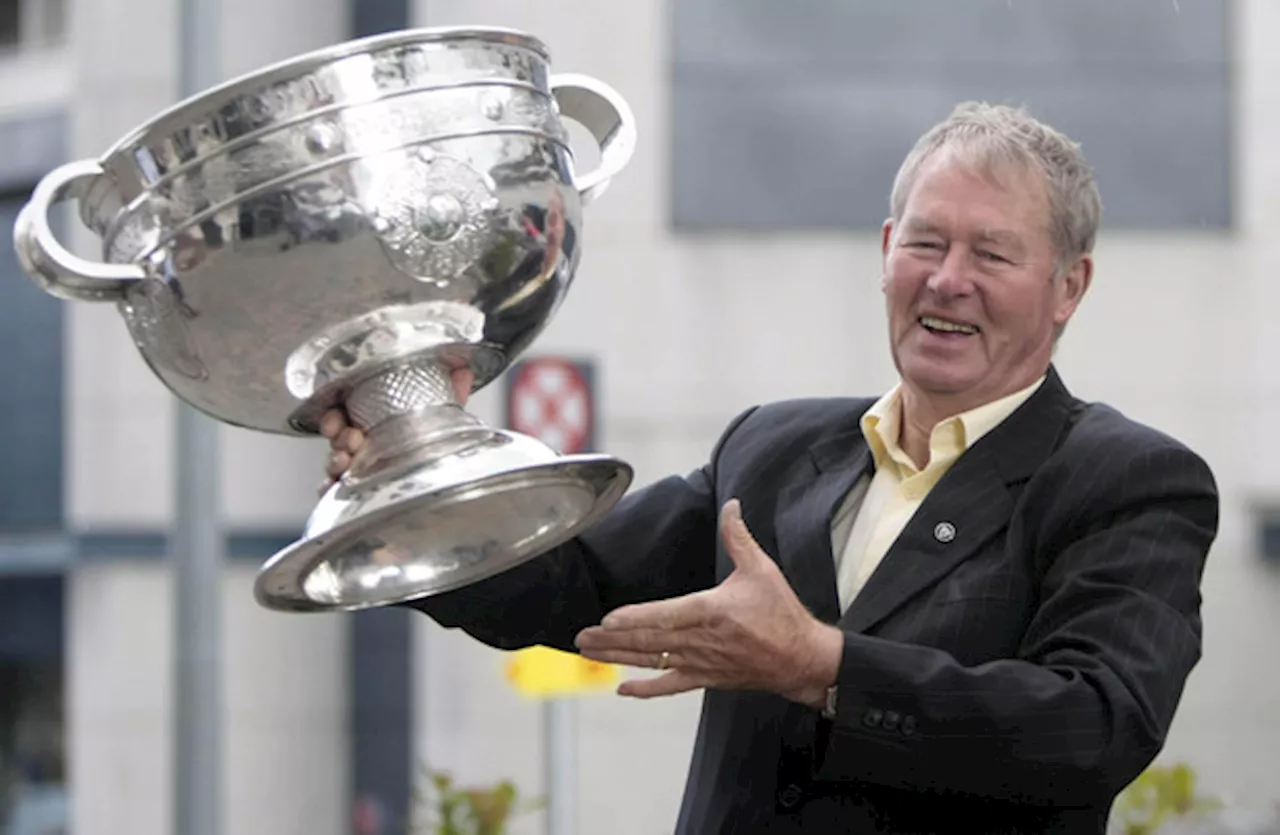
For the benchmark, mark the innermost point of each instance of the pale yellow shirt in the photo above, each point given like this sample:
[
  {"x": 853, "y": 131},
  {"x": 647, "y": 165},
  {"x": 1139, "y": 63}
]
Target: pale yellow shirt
[{"x": 892, "y": 495}]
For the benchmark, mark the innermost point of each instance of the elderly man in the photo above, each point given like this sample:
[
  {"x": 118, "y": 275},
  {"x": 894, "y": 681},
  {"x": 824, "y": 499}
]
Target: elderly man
[{"x": 969, "y": 605}]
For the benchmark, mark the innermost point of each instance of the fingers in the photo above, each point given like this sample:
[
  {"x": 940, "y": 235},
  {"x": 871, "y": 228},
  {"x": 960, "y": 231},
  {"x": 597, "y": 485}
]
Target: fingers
[
  {"x": 346, "y": 445},
  {"x": 337, "y": 464},
  {"x": 664, "y": 615},
  {"x": 342, "y": 452},
  {"x": 668, "y": 684},
  {"x": 344, "y": 442},
  {"x": 342, "y": 436},
  {"x": 676, "y": 676},
  {"x": 332, "y": 423},
  {"x": 628, "y": 657},
  {"x": 647, "y": 642},
  {"x": 349, "y": 440}
]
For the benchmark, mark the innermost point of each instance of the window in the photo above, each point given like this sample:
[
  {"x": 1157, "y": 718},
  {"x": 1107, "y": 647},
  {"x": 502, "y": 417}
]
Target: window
[
  {"x": 9, "y": 23},
  {"x": 797, "y": 115},
  {"x": 31, "y": 417},
  {"x": 33, "y": 780},
  {"x": 26, "y": 24}
]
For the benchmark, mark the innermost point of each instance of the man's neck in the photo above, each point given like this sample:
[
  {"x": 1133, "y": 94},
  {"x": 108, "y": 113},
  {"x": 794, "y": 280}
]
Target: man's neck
[
  {"x": 921, "y": 412},
  {"x": 919, "y": 416}
]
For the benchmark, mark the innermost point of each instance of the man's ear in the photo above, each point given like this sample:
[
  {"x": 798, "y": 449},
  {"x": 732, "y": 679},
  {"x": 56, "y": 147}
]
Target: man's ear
[
  {"x": 1071, "y": 289},
  {"x": 886, "y": 242}
]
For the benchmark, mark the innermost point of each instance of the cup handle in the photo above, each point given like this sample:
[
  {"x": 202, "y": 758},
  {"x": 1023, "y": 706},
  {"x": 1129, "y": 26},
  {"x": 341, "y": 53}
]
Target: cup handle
[
  {"x": 46, "y": 261},
  {"x": 602, "y": 111}
]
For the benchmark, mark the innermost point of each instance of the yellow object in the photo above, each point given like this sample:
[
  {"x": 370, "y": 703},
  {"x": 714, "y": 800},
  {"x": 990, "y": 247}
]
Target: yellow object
[{"x": 542, "y": 672}]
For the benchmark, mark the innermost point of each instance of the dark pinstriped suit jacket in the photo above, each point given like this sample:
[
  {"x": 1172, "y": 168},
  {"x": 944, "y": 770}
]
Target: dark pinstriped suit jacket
[{"x": 1011, "y": 679}]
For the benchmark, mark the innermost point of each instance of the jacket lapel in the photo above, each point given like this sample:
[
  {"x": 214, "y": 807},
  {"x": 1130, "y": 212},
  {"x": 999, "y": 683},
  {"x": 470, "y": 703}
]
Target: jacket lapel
[
  {"x": 807, "y": 506},
  {"x": 971, "y": 504},
  {"x": 964, "y": 510}
]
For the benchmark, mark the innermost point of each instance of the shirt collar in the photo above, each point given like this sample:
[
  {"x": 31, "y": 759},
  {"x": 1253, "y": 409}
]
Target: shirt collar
[{"x": 882, "y": 425}]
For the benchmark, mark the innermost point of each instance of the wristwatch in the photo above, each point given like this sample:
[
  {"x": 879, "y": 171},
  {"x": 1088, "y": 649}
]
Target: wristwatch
[{"x": 829, "y": 708}]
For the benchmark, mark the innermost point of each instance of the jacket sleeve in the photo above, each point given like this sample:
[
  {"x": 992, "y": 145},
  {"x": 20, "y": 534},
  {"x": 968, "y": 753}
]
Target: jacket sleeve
[
  {"x": 1086, "y": 703},
  {"x": 658, "y": 542}
]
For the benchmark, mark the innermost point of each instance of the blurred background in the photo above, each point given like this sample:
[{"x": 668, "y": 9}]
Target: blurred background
[{"x": 735, "y": 261}]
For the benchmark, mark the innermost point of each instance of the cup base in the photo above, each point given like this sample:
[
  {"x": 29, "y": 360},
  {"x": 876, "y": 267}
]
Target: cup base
[{"x": 441, "y": 526}]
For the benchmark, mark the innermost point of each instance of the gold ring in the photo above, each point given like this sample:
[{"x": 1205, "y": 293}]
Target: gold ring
[{"x": 663, "y": 660}]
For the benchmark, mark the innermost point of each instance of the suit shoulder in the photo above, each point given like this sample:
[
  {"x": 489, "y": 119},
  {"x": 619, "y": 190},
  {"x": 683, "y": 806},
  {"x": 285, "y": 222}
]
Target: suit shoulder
[
  {"x": 805, "y": 418},
  {"x": 764, "y": 438},
  {"x": 1101, "y": 423},
  {"x": 1103, "y": 433}
]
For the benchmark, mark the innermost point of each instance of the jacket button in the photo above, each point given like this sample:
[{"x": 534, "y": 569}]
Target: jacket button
[
  {"x": 790, "y": 796},
  {"x": 891, "y": 719},
  {"x": 908, "y": 726},
  {"x": 873, "y": 717}
]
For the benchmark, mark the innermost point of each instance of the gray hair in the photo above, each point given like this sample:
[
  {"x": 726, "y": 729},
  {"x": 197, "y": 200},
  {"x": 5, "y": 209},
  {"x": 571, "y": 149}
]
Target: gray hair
[{"x": 992, "y": 136}]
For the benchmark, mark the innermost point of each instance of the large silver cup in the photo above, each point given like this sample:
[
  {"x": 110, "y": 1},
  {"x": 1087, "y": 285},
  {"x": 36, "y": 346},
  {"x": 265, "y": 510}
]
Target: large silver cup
[{"x": 347, "y": 228}]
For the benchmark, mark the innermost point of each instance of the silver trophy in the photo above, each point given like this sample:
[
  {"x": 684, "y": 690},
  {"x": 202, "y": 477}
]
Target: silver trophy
[{"x": 347, "y": 228}]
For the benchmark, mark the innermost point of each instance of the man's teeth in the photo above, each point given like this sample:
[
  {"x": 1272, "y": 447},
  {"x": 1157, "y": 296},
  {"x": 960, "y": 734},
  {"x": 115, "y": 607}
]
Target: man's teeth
[{"x": 943, "y": 325}]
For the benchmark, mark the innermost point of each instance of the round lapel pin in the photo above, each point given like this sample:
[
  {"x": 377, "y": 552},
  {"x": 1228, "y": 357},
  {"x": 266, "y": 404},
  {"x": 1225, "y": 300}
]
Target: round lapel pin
[{"x": 944, "y": 532}]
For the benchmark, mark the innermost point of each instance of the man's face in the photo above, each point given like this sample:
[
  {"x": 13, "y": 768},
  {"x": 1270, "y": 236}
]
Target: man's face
[{"x": 968, "y": 282}]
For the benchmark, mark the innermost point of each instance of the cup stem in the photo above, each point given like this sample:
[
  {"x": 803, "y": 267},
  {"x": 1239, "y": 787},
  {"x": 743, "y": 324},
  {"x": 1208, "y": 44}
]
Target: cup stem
[
  {"x": 409, "y": 414},
  {"x": 398, "y": 391}
]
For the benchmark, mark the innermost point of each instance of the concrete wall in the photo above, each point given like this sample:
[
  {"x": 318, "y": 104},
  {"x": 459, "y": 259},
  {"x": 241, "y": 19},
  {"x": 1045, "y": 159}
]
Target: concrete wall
[{"x": 284, "y": 746}]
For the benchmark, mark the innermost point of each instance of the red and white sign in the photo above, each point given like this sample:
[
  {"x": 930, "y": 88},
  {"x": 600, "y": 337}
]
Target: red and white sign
[{"x": 551, "y": 399}]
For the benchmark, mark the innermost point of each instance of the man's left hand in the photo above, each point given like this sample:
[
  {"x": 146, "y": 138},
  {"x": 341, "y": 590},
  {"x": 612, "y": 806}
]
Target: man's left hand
[{"x": 750, "y": 632}]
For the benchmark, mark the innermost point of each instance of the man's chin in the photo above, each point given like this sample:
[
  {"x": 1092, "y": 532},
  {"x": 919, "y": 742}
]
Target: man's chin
[{"x": 941, "y": 378}]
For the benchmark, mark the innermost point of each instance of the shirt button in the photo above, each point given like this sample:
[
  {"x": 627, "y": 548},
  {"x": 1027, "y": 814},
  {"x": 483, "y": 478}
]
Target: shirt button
[{"x": 873, "y": 717}]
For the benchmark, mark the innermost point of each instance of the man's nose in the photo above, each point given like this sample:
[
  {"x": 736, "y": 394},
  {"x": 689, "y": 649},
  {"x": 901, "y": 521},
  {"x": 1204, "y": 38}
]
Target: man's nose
[{"x": 952, "y": 277}]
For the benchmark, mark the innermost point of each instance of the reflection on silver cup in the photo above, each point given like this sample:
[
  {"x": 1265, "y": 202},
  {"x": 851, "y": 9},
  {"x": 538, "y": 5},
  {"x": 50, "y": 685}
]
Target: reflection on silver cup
[{"x": 348, "y": 228}]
